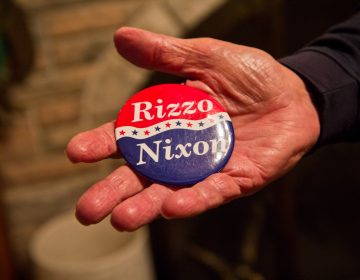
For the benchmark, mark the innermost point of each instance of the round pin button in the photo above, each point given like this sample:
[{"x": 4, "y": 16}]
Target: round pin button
[{"x": 174, "y": 134}]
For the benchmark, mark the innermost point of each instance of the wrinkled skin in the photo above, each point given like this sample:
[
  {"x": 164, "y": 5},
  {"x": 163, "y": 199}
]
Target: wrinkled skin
[{"x": 274, "y": 118}]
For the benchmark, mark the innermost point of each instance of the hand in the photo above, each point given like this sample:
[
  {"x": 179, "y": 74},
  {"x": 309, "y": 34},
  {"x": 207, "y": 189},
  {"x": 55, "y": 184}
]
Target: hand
[{"x": 274, "y": 119}]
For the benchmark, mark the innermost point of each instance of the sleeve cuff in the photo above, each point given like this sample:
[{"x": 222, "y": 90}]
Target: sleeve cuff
[{"x": 334, "y": 92}]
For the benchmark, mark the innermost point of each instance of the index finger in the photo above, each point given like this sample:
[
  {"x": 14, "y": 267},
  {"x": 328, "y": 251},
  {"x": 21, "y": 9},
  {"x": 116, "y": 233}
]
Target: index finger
[{"x": 93, "y": 145}]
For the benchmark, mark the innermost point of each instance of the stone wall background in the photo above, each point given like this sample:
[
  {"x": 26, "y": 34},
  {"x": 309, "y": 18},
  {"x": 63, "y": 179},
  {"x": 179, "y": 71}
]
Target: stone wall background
[{"x": 78, "y": 81}]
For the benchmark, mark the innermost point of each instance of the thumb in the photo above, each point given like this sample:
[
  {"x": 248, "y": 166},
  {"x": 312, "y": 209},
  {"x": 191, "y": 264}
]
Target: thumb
[{"x": 182, "y": 57}]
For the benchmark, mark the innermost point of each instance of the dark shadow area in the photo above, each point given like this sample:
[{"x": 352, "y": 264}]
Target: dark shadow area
[{"x": 15, "y": 64}]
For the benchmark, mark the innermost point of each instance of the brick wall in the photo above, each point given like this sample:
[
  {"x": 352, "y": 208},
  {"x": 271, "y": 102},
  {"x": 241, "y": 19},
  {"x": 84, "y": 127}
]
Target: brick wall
[{"x": 77, "y": 82}]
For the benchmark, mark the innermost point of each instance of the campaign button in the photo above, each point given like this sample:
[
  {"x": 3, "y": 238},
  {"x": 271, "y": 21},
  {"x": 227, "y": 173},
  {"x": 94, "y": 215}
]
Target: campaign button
[{"x": 174, "y": 134}]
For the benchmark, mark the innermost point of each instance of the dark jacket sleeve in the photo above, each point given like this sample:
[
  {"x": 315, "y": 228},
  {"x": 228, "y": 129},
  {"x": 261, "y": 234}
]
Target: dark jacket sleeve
[{"x": 330, "y": 67}]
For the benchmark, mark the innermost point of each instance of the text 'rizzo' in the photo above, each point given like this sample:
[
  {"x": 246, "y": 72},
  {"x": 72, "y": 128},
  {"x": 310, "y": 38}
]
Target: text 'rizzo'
[{"x": 146, "y": 110}]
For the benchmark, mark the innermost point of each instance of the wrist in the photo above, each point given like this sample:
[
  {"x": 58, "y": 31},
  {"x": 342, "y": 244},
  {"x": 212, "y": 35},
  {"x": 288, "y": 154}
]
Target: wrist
[{"x": 305, "y": 111}]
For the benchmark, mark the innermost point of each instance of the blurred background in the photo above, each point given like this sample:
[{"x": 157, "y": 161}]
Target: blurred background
[{"x": 60, "y": 74}]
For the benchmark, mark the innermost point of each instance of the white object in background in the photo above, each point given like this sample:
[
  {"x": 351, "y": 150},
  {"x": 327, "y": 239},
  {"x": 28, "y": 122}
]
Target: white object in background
[{"x": 62, "y": 249}]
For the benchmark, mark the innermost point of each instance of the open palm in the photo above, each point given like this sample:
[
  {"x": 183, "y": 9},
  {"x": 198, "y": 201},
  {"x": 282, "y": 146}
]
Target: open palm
[{"x": 274, "y": 119}]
